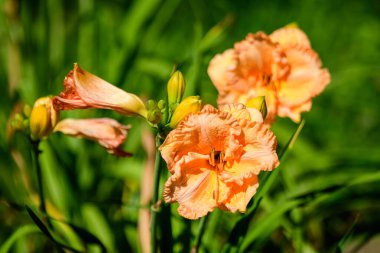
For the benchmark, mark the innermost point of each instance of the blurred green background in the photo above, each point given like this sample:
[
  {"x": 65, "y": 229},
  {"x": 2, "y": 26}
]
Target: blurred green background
[{"x": 333, "y": 168}]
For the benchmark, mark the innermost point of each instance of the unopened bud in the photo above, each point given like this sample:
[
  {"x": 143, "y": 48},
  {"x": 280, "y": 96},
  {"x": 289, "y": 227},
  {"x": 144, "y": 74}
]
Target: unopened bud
[
  {"x": 154, "y": 116},
  {"x": 27, "y": 110},
  {"x": 161, "y": 104},
  {"x": 292, "y": 25},
  {"x": 17, "y": 122},
  {"x": 43, "y": 118},
  {"x": 259, "y": 104},
  {"x": 176, "y": 87},
  {"x": 151, "y": 104},
  {"x": 189, "y": 105}
]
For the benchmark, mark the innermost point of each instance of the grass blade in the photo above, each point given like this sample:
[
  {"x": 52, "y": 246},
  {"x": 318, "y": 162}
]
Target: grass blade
[{"x": 25, "y": 230}]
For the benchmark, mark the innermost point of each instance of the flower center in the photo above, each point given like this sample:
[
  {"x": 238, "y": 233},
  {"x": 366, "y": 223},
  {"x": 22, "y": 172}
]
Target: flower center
[
  {"x": 216, "y": 159},
  {"x": 266, "y": 79}
]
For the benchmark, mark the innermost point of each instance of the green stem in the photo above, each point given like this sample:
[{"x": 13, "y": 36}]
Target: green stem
[
  {"x": 37, "y": 166},
  {"x": 156, "y": 188},
  {"x": 166, "y": 231},
  {"x": 198, "y": 238}
]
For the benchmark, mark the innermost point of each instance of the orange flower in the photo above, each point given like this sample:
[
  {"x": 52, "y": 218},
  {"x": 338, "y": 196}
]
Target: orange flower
[
  {"x": 85, "y": 90},
  {"x": 107, "y": 132},
  {"x": 215, "y": 157},
  {"x": 282, "y": 67}
]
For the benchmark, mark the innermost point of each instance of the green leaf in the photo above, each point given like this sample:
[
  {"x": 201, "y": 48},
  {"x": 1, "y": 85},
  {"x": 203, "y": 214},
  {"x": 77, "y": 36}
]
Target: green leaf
[
  {"x": 98, "y": 224},
  {"x": 25, "y": 230},
  {"x": 263, "y": 231},
  {"x": 39, "y": 223},
  {"x": 86, "y": 236},
  {"x": 46, "y": 231}
]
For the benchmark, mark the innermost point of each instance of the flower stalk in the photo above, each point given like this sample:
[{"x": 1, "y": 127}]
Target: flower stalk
[
  {"x": 198, "y": 238},
  {"x": 37, "y": 167},
  {"x": 155, "y": 207}
]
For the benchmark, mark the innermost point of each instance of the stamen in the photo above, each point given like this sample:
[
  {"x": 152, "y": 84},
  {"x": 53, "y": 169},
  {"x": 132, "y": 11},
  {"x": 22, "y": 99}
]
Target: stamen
[
  {"x": 216, "y": 159},
  {"x": 212, "y": 157},
  {"x": 267, "y": 79}
]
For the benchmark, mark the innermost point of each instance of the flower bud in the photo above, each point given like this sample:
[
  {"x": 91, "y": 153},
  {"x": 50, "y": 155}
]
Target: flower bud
[
  {"x": 176, "y": 87},
  {"x": 151, "y": 104},
  {"x": 43, "y": 118},
  {"x": 17, "y": 122},
  {"x": 259, "y": 104},
  {"x": 189, "y": 105},
  {"x": 27, "y": 110},
  {"x": 154, "y": 116},
  {"x": 161, "y": 104}
]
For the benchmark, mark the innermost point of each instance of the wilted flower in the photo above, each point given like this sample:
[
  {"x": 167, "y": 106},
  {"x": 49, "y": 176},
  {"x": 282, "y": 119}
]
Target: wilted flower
[
  {"x": 43, "y": 118},
  {"x": 107, "y": 132},
  {"x": 282, "y": 67},
  {"x": 215, "y": 157},
  {"x": 85, "y": 90}
]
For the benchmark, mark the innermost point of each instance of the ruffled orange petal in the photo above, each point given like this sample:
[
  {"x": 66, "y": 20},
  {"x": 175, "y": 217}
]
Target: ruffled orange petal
[
  {"x": 241, "y": 112},
  {"x": 195, "y": 186},
  {"x": 240, "y": 195},
  {"x": 260, "y": 61},
  {"x": 289, "y": 37},
  {"x": 107, "y": 132},
  {"x": 220, "y": 67},
  {"x": 192, "y": 186},
  {"x": 294, "y": 112},
  {"x": 200, "y": 133},
  {"x": 259, "y": 154},
  {"x": 306, "y": 79},
  {"x": 85, "y": 90},
  {"x": 255, "y": 55}
]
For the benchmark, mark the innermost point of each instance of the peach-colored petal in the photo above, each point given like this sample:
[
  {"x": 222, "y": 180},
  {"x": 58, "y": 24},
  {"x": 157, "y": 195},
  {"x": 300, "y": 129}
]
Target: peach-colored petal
[
  {"x": 192, "y": 186},
  {"x": 200, "y": 133},
  {"x": 260, "y": 61},
  {"x": 240, "y": 112},
  {"x": 85, "y": 90},
  {"x": 259, "y": 154},
  {"x": 219, "y": 67},
  {"x": 240, "y": 195},
  {"x": 255, "y": 55},
  {"x": 306, "y": 79},
  {"x": 290, "y": 36},
  {"x": 195, "y": 186},
  {"x": 107, "y": 132},
  {"x": 294, "y": 112}
]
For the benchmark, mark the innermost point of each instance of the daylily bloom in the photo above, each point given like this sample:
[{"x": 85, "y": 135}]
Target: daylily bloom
[
  {"x": 85, "y": 90},
  {"x": 215, "y": 157},
  {"x": 282, "y": 67},
  {"x": 107, "y": 132}
]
